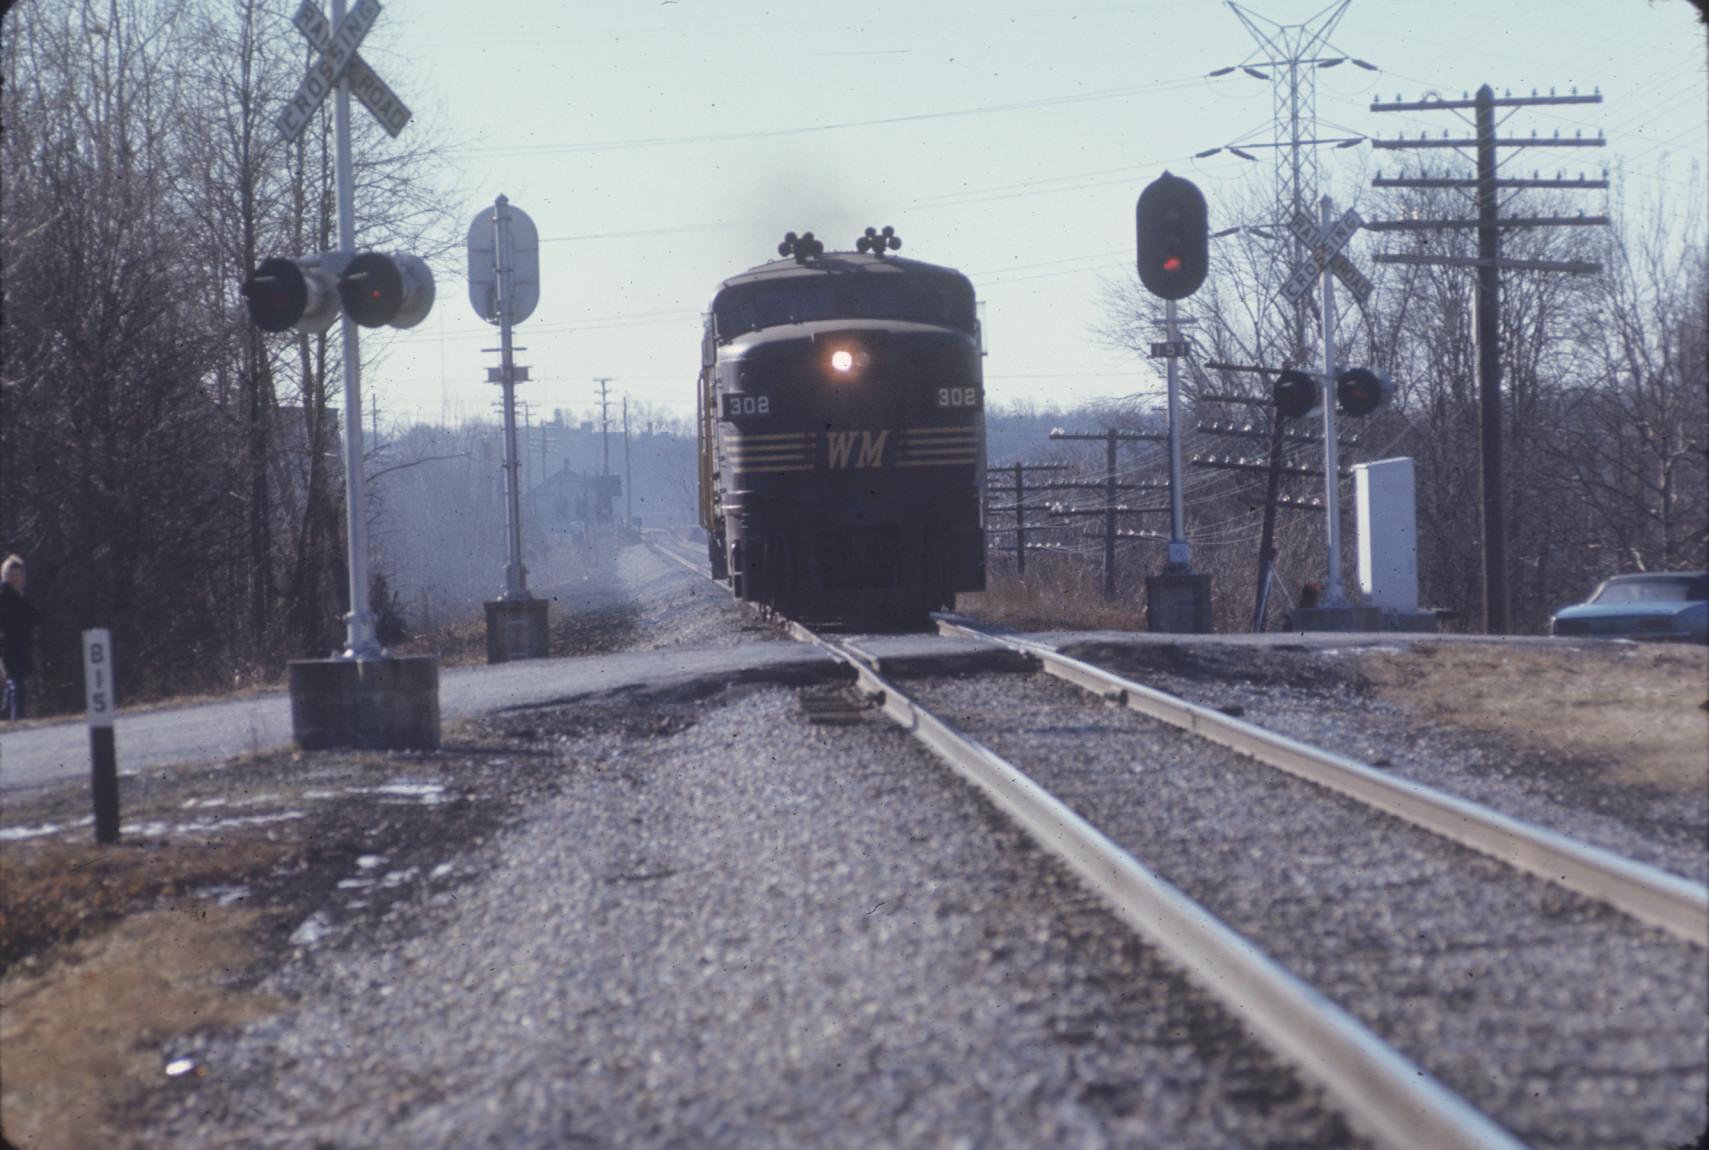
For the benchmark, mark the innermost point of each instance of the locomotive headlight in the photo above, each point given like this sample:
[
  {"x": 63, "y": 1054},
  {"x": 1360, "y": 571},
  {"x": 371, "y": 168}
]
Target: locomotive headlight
[{"x": 847, "y": 361}]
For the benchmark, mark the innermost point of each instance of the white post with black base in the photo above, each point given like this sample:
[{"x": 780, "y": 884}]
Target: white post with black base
[{"x": 101, "y": 704}]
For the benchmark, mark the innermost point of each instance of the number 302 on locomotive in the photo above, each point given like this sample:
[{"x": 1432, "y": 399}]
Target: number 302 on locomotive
[{"x": 737, "y": 406}]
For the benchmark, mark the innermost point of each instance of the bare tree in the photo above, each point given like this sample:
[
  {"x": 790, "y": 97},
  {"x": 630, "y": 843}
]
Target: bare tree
[{"x": 1636, "y": 422}]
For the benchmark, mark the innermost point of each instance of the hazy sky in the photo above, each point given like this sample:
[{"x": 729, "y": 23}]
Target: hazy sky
[{"x": 660, "y": 147}]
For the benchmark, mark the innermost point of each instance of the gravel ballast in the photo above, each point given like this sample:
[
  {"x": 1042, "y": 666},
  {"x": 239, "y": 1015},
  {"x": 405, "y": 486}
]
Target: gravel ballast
[
  {"x": 1565, "y": 1021},
  {"x": 730, "y": 928},
  {"x": 1318, "y": 696}
]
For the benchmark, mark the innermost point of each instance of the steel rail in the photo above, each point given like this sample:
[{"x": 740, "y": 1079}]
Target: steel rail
[
  {"x": 1648, "y": 894},
  {"x": 668, "y": 550},
  {"x": 1376, "y": 1088}
]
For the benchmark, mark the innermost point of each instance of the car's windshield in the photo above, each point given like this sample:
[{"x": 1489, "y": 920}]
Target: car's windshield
[{"x": 1658, "y": 590}]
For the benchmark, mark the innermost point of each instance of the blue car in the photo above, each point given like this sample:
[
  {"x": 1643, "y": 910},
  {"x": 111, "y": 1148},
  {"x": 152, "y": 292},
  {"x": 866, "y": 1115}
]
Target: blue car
[{"x": 1663, "y": 605}]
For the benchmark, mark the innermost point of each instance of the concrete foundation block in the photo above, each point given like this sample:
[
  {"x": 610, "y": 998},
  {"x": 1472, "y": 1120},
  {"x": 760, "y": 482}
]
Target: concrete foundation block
[
  {"x": 1420, "y": 622},
  {"x": 1178, "y": 604},
  {"x": 1336, "y": 619},
  {"x": 375, "y": 704},
  {"x": 1362, "y": 618},
  {"x": 518, "y": 629}
]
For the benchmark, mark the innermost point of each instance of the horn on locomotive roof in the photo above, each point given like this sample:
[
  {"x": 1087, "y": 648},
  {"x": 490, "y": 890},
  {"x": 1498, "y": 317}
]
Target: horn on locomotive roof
[
  {"x": 802, "y": 247},
  {"x": 876, "y": 241}
]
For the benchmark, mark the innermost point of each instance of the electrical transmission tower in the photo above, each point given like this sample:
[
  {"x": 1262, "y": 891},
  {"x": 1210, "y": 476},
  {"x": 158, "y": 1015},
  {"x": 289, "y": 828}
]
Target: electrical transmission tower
[{"x": 1289, "y": 57}]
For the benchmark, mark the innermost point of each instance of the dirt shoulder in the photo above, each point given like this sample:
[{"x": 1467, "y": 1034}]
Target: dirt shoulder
[
  {"x": 118, "y": 961},
  {"x": 120, "y": 964},
  {"x": 1643, "y": 710}
]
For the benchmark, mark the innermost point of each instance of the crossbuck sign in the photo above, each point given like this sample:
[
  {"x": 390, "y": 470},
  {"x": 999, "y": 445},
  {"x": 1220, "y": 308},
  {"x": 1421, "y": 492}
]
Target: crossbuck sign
[
  {"x": 1325, "y": 250},
  {"x": 338, "y": 60}
]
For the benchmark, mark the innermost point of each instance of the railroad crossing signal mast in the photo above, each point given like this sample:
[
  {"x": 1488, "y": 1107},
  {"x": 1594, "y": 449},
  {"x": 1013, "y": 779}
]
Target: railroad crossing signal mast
[
  {"x": 1485, "y": 187},
  {"x": 504, "y": 289},
  {"x": 363, "y": 698},
  {"x": 1174, "y": 258},
  {"x": 1360, "y": 391}
]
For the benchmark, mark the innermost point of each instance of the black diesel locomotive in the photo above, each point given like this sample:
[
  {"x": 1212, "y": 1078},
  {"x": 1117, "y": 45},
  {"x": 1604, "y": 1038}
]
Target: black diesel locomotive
[{"x": 842, "y": 435}]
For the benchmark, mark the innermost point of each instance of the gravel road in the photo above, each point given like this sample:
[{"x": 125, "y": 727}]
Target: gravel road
[
  {"x": 634, "y": 604},
  {"x": 1568, "y": 1023}
]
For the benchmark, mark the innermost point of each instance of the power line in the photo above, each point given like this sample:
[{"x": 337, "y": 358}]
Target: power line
[{"x": 1159, "y": 86}]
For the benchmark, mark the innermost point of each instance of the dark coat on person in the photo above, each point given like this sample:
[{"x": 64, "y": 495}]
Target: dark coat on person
[{"x": 18, "y": 621}]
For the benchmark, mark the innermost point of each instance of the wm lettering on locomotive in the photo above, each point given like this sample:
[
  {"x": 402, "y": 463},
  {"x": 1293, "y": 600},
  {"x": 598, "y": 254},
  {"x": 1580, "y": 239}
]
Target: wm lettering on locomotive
[{"x": 841, "y": 445}]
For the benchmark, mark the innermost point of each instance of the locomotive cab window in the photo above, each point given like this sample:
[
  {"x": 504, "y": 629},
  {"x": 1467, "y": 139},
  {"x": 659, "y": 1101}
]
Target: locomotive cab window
[{"x": 939, "y": 300}]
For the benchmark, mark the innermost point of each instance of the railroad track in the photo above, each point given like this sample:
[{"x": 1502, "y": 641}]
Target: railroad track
[
  {"x": 1650, "y": 895},
  {"x": 1381, "y": 1091}
]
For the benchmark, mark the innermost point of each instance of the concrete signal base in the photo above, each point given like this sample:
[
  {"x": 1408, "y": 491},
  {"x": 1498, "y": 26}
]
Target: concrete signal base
[
  {"x": 517, "y": 629},
  {"x": 381, "y": 704},
  {"x": 1178, "y": 604}
]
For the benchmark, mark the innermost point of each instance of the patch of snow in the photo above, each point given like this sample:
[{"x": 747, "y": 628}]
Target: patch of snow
[
  {"x": 428, "y": 793},
  {"x": 18, "y": 834},
  {"x": 227, "y": 894},
  {"x": 314, "y": 928},
  {"x": 239, "y": 821}
]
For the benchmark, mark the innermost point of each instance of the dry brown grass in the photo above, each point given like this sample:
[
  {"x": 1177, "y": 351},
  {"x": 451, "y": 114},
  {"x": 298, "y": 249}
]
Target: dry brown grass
[
  {"x": 82, "y": 1039},
  {"x": 54, "y": 891},
  {"x": 1047, "y": 601},
  {"x": 1641, "y": 708},
  {"x": 462, "y": 644}
]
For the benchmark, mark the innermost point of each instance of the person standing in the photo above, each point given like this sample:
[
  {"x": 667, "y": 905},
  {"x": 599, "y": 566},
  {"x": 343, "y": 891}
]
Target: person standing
[{"x": 18, "y": 621}]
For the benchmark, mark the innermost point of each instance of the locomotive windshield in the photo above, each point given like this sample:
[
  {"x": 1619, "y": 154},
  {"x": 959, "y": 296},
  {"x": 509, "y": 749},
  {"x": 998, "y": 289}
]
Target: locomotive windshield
[{"x": 946, "y": 301}]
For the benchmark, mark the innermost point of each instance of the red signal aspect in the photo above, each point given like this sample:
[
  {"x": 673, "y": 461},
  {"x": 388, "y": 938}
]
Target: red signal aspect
[{"x": 1172, "y": 264}]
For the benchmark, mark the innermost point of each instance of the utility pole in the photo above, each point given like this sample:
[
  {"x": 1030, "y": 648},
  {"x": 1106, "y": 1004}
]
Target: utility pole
[
  {"x": 628, "y": 478},
  {"x": 1110, "y": 486},
  {"x": 604, "y": 426},
  {"x": 1267, "y": 534},
  {"x": 1335, "y": 595},
  {"x": 1489, "y": 264},
  {"x": 602, "y": 486},
  {"x": 527, "y": 434},
  {"x": 1273, "y": 481},
  {"x": 1020, "y": 520},
  {"x": 1020, "y": 507}
]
